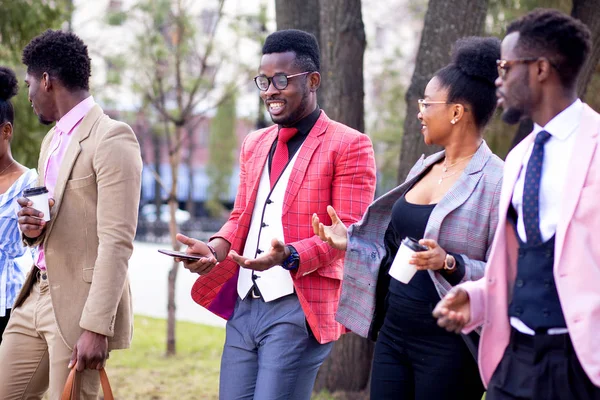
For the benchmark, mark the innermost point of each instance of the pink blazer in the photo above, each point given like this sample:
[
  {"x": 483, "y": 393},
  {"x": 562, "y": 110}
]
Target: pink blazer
[{"x": 576, "y": 258}]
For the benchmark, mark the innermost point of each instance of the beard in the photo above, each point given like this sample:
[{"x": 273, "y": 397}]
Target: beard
[
  {"x": 512, "y": 115},
  {"x": 517, "y": 102},
  {"x": 44, "y": 121},
  {"x": 295, "y": 115}
]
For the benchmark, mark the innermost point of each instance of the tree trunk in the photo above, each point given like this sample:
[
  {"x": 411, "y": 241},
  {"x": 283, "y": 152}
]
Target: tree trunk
[
  {"x": 348, "y": 367},
  {"x": 588, "y": 12},
  {"x": 445, "y": 22},
  {"x": 342, "y": 50},
  {"x": 189, "y": 161},
  {"x": 174, "y": 159},
  {"x": 298, "y": 14},
  {"x": 156, "y": 145},
  {"x": 171, "y": 309},
  {"x": 342, "y": 97}
]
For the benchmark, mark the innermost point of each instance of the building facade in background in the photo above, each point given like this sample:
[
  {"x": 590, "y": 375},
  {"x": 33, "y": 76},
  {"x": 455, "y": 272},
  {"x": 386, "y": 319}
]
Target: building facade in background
[{"x": 109, "y": 27}]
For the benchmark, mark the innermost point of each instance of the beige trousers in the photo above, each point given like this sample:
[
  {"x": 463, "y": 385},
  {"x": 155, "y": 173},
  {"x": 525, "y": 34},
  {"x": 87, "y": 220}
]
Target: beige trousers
[{"x": 33, "y": 356}]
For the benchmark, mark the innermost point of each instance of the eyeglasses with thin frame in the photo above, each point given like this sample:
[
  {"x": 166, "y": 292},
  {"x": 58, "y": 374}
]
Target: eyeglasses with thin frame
[
  {"x": 280, "y": 81},
  {"x": 423, "y": 104}
]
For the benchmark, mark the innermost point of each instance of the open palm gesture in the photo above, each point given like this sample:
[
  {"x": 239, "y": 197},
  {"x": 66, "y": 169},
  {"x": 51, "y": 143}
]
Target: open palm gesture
[{"x": 334, "y": 234}]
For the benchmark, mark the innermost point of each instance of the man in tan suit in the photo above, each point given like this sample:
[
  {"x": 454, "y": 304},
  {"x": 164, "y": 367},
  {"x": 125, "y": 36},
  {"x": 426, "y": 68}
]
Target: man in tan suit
[{"x": 75, "y": 305}]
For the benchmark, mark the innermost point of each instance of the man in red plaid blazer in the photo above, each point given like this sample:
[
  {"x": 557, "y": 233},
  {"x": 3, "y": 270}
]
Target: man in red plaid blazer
[{"x": 281, "y": 303}]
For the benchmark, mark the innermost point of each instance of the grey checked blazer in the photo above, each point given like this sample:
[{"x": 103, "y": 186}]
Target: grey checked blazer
[{"x": 463, "y": 222}]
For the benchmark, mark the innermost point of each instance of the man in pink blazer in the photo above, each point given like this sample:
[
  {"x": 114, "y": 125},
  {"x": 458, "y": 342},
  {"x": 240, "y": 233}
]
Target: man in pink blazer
[{"x": 539, "y": 301}]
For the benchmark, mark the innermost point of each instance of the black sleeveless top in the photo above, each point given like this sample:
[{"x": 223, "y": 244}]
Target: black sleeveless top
[{"x": 409, "y": 220}]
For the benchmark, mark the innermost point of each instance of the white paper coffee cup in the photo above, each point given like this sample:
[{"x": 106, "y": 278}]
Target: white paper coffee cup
[
  {"x": 401, "y": 270},
  {"x": 39, "y": 197}
]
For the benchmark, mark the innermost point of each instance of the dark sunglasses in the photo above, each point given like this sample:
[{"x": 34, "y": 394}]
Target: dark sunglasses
[{"x": 280, "y": 81}]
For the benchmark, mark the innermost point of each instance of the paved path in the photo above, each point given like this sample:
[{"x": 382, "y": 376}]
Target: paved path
[{"x": 148, "y": 272}]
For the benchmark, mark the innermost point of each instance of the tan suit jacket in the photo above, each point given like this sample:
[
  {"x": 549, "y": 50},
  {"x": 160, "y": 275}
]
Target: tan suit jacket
[{"x": 89, "y": 239}]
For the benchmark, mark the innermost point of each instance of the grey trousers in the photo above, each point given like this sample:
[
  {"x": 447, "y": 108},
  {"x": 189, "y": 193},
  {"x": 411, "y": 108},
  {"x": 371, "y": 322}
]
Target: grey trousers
[{"x": 270, "y": 352}]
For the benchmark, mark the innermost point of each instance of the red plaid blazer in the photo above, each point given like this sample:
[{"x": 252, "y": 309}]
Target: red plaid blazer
[{"x": 335, "y": 166}]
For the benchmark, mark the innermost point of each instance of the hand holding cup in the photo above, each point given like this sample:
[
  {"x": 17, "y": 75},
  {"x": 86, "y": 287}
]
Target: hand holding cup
[{"x": 34, "y": 212}]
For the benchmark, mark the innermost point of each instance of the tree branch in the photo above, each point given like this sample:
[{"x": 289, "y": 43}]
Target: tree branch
[
  {"x": 204, "y": 59},
  {"x": 157, "y": 178}
]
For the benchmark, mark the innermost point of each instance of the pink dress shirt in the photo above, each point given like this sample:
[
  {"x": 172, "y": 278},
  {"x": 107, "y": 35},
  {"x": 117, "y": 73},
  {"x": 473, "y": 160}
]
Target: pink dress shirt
[{"x": 60, "y": 142}]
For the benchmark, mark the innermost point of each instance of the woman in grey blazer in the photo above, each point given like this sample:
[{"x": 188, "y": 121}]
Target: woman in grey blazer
[{"x": 450, "y": 202}]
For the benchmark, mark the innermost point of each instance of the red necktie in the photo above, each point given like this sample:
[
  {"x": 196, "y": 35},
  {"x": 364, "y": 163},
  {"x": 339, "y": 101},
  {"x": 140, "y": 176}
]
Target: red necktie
[{"x": 280, "y": 157}]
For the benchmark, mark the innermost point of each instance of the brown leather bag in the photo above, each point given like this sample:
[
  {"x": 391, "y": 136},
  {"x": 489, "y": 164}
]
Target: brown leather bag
[{"x": 73, "y": 385}]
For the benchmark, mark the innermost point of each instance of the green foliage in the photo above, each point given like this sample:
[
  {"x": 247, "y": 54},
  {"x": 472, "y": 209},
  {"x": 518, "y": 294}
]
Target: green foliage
[
  {"x": 28, "y": 131},
  {"x": 499, "y": 135},
  {"x": 116, "y": 18},
  {"x": 592, "y": 97},
  {"x": 175, "y": 61},
  {"x": 21, "y": 21},
  {"x": 386, "y": 131},
  {"x": 502, "y": 12},
  {"x": 222, "y": 145},
  {"x": 169, "y": 36},
  {"x": 115, "y": 66}
]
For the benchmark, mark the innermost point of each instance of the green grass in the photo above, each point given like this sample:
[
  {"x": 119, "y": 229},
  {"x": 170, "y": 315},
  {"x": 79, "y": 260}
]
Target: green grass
[{"x": 143, "y": 371}]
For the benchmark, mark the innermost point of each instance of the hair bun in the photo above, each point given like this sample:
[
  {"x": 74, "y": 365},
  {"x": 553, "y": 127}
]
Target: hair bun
[
  {"x": 476, "y": 57},
  {"x": 9, "y": 86}
]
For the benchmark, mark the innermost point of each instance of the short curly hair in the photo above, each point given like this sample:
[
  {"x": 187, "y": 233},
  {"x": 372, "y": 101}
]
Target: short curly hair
[
  {"x": 302, "y": 43},
  {"x": 62, "y": 55},
  {"x": 562, "y": 39},
  {"x": 471, "y": 74}
]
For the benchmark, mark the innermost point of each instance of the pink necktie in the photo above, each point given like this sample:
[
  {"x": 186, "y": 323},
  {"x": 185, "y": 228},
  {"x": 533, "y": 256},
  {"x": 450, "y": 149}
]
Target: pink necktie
[
  {"x": 54, "y": 164},
  {"x": 281, "y": 155}
]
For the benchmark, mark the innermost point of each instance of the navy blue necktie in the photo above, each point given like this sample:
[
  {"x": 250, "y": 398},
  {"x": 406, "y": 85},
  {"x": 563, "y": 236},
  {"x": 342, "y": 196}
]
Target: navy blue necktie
[{"x": 531, "y": 191}]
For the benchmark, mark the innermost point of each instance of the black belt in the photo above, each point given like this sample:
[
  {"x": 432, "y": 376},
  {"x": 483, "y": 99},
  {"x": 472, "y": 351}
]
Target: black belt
[
  {"x": 41, "y": 275},
  {"x": 540, "y": 342}
]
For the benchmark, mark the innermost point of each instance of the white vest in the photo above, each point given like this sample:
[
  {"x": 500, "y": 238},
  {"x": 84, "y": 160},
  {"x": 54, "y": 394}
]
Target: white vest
[{"x": 266, "y": 225}]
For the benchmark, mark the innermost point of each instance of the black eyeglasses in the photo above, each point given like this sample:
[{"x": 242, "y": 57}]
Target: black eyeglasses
[{"x": 280, "y": 81}]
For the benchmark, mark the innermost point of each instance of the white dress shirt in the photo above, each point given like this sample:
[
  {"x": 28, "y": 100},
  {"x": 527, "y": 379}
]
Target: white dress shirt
[{"x": 557, "y": 153}]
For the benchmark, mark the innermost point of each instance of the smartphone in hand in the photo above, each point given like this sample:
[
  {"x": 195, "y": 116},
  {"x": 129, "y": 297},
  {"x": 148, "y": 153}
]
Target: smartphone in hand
[{"x": 179, "y": 254}]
